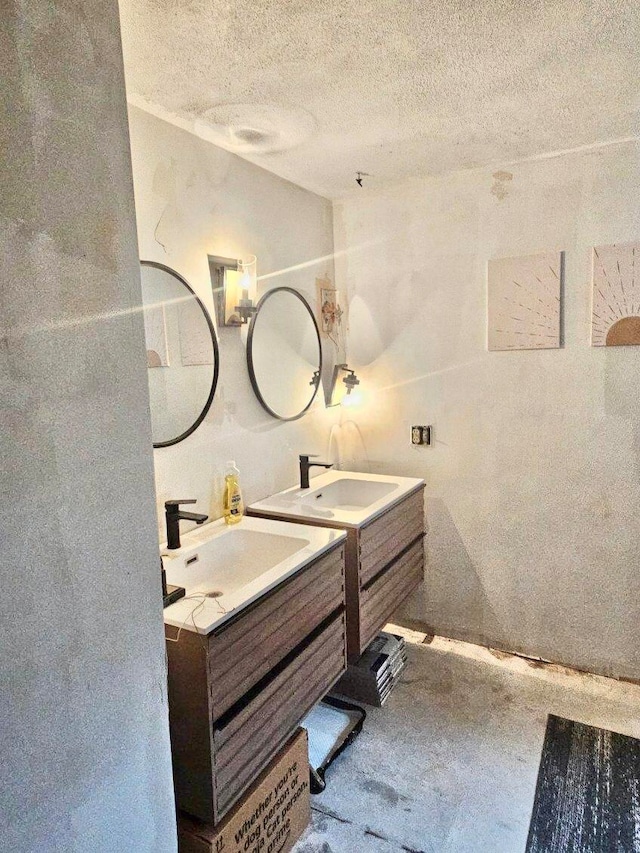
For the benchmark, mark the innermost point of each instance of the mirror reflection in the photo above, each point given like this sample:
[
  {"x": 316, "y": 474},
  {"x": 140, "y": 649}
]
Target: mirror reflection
[
  {"x": 284, "y": 354},
  {"x": 182, "y": 354}
]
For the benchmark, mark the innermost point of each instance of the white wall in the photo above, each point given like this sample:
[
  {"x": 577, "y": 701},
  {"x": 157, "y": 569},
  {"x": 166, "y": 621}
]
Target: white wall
[
  {"x": 194, "y": 200},
  {"x": 533, "y": 483},
  {"x": 84, "y": 736}
]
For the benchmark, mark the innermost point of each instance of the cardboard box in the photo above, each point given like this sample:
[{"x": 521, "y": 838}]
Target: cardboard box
[{"x": 271, "y": 816}]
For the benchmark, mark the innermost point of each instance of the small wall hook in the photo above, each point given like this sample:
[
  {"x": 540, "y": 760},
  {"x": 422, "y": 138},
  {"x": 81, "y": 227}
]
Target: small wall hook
[{"x": 360, "y": 176}]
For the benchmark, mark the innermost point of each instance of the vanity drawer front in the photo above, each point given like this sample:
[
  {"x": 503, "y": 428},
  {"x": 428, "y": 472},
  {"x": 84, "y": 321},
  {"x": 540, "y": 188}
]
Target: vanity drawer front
[
  {"x": 387, "y": 592},
  {"x": 246, "y": 742},
  {"x": 386, "y": 536},
  {"x": 250, "y": 647}
]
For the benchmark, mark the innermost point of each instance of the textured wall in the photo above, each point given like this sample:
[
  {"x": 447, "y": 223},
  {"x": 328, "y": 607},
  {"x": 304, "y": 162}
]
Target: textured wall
[
  {"x": 84, "y": 735},
  {"x": 532, "y": 485},
  {"x": 193, "y": 199}
]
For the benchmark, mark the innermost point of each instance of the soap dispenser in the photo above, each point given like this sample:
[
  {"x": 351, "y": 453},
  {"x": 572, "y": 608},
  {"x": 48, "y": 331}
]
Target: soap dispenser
[{"x": 233, "y": 503}]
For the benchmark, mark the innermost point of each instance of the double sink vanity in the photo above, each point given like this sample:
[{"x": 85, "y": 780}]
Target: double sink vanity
[
  {"x": 274, "y": 608},
  {"x": 277, "y": 605}
]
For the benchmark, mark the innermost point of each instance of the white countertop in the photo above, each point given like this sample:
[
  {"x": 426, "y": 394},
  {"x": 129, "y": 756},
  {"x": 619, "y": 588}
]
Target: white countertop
[
  {"x": 312, "y": 504},
  {"x": 238, "y": 563}
]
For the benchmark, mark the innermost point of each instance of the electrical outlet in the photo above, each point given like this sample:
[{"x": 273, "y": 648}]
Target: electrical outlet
[{"x": 421, "y": 435}]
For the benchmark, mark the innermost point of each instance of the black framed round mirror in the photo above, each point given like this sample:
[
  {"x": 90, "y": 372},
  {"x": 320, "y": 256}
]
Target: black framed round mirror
[
  {"x": 284, "y": 355},
  {"x": 182, "y": 354}
]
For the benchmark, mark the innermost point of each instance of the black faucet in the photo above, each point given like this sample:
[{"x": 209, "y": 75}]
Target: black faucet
[
  {"x": 174, "y": 515},
  {"x": 304, "y": 468}
]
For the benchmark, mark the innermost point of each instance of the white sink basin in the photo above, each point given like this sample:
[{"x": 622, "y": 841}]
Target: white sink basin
[
  {"x": 350, "y": 494},
  {"x": 339, "y": 498},
  {"x": 224, "y": 568},
  {"x": 230, "y": 559}
]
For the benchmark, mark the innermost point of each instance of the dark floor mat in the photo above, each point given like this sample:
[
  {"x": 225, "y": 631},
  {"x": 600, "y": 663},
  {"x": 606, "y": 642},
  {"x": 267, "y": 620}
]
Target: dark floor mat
[{"x": 588, "y": 791}]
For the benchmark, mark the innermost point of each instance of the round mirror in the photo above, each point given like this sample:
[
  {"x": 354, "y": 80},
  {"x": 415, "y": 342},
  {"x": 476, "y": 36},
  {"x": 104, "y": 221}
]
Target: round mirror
[
  {"x": 284, "y": 354},
  {"x": 182, "y": 354}
]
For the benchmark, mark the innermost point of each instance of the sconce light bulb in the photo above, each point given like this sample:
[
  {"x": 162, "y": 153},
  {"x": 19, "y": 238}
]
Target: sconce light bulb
[
  {"x": 340, "y": 391},
  {"x": 246, "y": 287},
  {"x": 350, "y": 401},
  {"x": 244, "y": 284}
]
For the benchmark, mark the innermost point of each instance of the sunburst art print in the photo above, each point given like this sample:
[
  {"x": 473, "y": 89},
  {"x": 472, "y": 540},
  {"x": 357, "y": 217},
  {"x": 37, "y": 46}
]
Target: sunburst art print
[
  {"x": 615, "y": 319},
  {"x": 524, "y": 302}
]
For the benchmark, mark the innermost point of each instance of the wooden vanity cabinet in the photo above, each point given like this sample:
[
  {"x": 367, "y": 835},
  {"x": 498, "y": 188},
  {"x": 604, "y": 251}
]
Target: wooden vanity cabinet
[
  {"x": 237, "y": 694},
  {"x": 384, "y": 565}
]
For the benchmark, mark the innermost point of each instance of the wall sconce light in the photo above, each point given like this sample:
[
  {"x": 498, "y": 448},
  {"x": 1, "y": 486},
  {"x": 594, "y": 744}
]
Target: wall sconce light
[
  {"x": 343, "y": 381},
  {"x": 240, "y": 292}
]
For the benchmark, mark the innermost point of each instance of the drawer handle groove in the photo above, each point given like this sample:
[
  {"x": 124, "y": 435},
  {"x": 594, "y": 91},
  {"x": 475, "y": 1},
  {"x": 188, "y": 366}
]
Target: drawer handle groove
[
  {"x": 224, "y": 660},
  {"x": 391, "y": 564},
  {"x": 238, "y": 706},
  {"x": 314, "y": 658}
]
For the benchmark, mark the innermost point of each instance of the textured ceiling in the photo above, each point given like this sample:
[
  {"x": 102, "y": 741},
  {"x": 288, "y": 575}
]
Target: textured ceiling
[{"x": 315, "y": 90}]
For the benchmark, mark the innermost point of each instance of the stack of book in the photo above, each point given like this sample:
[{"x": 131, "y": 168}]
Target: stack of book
[{"x": 374, "y": 676}]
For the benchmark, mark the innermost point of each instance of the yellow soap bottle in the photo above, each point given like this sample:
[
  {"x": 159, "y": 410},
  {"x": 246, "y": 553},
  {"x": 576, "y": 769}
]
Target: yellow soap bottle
[{"x": 233, "y": 503}]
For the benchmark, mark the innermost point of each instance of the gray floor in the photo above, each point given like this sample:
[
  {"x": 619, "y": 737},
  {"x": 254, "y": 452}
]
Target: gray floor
[{"x": 449, "y": 765}]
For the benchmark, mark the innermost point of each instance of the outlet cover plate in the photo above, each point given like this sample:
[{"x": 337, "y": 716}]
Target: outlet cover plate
[{"x": 421, "y": 435}]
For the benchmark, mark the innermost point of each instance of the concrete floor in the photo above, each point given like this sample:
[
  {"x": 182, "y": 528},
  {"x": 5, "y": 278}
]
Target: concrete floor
[{"x": 449, "y": 765}]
